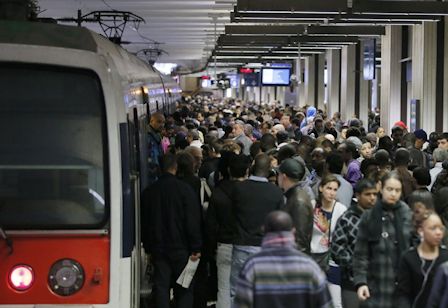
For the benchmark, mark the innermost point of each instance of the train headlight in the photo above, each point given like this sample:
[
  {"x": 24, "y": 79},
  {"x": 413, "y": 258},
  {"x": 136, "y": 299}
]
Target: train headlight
[
  {"x": 66, "y": 277},
  {"x": 21, "y": 277}
]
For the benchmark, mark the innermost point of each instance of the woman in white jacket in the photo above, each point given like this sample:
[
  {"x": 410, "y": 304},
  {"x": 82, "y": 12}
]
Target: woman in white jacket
[{"x": 326, "y": 213}]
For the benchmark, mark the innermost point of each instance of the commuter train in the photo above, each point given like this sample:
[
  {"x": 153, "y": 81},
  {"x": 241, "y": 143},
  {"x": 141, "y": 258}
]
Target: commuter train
[{"x": 74, "y": 111}]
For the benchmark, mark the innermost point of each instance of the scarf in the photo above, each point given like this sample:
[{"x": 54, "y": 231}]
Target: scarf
[
  {"x": 279, "y": 239},
  {"x": 375, "y": 224}
]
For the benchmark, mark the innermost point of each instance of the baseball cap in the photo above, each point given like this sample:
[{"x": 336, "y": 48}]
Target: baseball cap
[
  {"x": 292, "y": 168},
  {"x": 401, "y": 124},
  {"x": 421, "y": 134}
]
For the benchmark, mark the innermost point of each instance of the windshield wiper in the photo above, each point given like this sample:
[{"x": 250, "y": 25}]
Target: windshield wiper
[{"x": 7, "y": 240}]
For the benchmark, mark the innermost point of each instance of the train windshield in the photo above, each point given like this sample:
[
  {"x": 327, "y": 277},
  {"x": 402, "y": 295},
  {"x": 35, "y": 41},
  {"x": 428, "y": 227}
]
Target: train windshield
[{"x": 53, "y": 157}]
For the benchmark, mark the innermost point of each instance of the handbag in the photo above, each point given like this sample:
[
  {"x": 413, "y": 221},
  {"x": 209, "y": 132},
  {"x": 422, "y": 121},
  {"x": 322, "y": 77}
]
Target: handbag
[{"x": 322, "y": 259}]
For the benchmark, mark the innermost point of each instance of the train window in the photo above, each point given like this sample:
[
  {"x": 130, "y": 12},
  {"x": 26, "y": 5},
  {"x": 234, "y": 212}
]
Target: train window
[{"x": 53, "y": 157}]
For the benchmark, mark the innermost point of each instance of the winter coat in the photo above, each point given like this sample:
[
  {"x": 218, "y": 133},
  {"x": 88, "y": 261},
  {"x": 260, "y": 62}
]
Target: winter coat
[
  {"x": 220, "y": 219},
  {"x": 171, "y": 218},
  {"x": 343, "y": 244},
  {"x": 377, "y": 252},
  {"x": 413, "y": 287},
  {"x": 439, "y": 291},
  {"x": 299, "y": 206},
  {"x": 252, "y": 201}
]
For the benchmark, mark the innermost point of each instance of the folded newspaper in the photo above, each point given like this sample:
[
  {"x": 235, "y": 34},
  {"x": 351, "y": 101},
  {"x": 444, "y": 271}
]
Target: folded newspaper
[{"x": 187, "y": 274}]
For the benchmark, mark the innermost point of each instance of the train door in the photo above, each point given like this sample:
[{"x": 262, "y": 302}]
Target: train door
[{"x": 137, "y": 122}]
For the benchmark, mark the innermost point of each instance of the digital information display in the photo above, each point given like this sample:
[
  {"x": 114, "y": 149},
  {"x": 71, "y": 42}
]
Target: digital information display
[{"x": 275, "y": 76}]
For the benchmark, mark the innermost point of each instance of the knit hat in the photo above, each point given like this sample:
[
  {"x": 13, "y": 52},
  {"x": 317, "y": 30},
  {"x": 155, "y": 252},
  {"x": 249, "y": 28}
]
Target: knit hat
[
  {"x": 356, "y": 141},
  {"x": 421, "y": 134},
  {"x": 355, "y": 123}
]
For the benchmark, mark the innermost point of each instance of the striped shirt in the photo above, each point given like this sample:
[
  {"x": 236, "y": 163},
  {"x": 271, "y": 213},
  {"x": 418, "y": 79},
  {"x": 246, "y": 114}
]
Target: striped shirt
[{"x": 281, "y": 276}]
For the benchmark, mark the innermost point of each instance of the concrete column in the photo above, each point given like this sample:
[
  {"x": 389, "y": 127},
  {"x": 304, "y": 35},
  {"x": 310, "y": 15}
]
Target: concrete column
[
  {"x": 300, "y": 90},
  {"x": 268, "y": 94},
  {"x": 301, "y": 99},
  {"x": 364, "y": 97},
  {"x": 265, "y": 98},
  {"x": 255, "y": 93},
  {"x": 424, "y": 63},
  {"x": 290, "y": 97},
  {"x": 309, "y": 80},
  {"x": 348, "y": 74},
  {"x": 320, "y": 81},
  {"x": 390, "y": 77},
  {"x": 333, "y": 71},
  {"x": 445, "y": 79},
  {"x": 376, "y": 89},
  {"x": 272, "y": 94},
  {"x": 281, "y": 94}
]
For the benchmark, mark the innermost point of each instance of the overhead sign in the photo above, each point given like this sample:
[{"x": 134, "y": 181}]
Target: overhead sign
[{"x": 246, "y": 70}]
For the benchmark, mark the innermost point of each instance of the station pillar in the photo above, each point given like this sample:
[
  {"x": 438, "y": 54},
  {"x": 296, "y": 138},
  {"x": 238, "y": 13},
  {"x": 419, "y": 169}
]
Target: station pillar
[
  {"x": 348, "y": 75},
  {"x": 424, "y": 66},
  {"x": 300, "y": 90},
  {"x": 390, "y": 77},
  {"x": 363, "y": 105},
  {"x": 333, "y": 58},
  {"x": 320, "y": 81},
  {"x": 444, "y": 106},
  {"x": 309, "y": 82}
]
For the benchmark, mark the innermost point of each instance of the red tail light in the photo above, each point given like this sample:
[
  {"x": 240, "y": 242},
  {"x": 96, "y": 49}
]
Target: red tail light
[{"x": 21, "y": 277}]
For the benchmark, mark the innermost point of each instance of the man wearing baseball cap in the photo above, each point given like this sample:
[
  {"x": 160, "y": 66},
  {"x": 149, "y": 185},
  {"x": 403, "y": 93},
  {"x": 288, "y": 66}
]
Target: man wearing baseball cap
[
  {"x": 421, "y": 138},
  {"x": 402, "y": 125},
  {"x": 298, "y": 203}
]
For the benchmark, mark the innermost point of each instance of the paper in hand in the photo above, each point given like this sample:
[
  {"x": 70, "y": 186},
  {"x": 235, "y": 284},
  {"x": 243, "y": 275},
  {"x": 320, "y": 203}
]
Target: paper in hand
[{"x": 187, "y": 274}]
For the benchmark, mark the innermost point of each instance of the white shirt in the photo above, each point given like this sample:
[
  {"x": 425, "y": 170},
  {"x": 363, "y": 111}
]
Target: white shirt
[{"x": 434, "y": 173}]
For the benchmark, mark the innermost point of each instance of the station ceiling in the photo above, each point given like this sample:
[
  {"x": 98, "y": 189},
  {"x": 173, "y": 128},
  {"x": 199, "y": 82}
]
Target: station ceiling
[
  {"x": 249, "y": 30},
  {"x": 184, "y": 28}
]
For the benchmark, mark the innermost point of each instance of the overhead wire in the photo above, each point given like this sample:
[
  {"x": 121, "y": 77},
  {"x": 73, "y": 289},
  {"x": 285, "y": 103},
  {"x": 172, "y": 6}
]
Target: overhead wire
[
  {"x": 107, "y": 4},
  {"x": 135, "y": 28}
]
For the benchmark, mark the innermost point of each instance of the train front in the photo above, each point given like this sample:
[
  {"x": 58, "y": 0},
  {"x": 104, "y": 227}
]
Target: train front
[{"x": 55, "y": 209}]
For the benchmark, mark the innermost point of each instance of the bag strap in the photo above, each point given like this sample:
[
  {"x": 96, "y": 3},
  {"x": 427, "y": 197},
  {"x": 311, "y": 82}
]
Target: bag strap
[
  {"x": 205, "y": 190},
  {"x": 329, "y": 225}
]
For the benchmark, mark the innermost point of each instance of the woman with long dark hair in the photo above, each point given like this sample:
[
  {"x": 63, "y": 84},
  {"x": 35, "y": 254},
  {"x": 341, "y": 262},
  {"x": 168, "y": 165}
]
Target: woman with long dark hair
[
  {"x": 326, "y": 213},
  {"x": 384, "y": 235}
]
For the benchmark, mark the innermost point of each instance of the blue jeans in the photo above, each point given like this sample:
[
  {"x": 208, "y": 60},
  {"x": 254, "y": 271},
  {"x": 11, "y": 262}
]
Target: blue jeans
[
  {"x": 223, "y": 263},
  {"x": 239, "y": 256}
]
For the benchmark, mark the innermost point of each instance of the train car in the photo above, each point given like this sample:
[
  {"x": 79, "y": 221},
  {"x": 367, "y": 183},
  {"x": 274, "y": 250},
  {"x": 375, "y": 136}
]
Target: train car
[{"x": 74, "y": 111}]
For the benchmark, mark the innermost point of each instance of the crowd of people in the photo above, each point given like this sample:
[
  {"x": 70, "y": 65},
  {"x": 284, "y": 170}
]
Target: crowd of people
[{"x": 290, "y": 207}]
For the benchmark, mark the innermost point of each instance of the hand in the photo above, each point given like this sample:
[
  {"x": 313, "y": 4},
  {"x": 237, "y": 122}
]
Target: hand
[
  {"x": 195, "y": 256},
  {"x": 321, "y": 221},
  {"x": 363, "y": 293}
]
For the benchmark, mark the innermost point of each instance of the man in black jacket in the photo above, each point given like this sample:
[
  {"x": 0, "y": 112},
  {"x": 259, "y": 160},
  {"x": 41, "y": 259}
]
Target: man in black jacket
[
  {"x": 155, "y": 150},
  {"x": 171, "y": 232},
  {"x": 254, "y": 199},
  {"x": 298, "y": 203}
]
